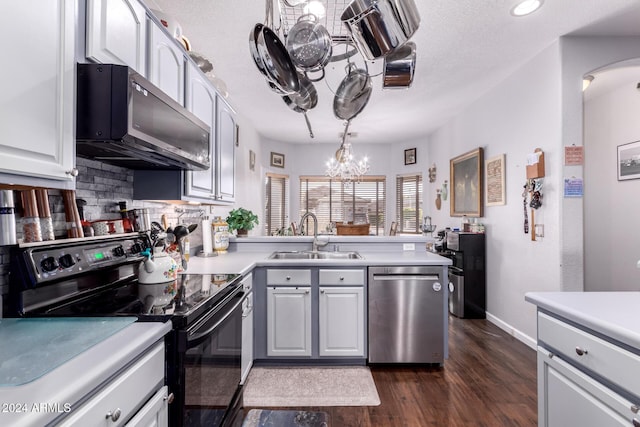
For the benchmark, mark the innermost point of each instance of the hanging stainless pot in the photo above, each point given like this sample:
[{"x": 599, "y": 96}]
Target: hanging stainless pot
[
  {"x": 380, "y": 26},
  {"x": 277, "y": 62},
  {"x": 352, "y": 94},
  {"x": 309, "y": 44},
  {"x": 399, "y": 67},
  {"x": 303, "y": 100}
]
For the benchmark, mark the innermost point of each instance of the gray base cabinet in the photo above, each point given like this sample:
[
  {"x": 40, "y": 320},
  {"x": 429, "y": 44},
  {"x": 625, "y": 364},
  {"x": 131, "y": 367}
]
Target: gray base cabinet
[{"x": 310, "y": 313}]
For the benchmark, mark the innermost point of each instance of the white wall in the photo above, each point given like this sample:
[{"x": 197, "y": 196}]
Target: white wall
[
  {"x": 580, "y": 56},
  {"x": 611, "y": 208},
  {"x": 519, "y": 115},
  {"x": 249, "y": 186}
]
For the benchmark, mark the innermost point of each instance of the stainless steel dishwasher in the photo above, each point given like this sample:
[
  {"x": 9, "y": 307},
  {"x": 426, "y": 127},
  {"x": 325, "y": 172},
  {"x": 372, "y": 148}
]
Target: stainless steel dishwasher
[{"x": 407, "y": 314}]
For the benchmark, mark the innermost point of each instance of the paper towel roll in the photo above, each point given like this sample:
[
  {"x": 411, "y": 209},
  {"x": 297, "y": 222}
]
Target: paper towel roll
[{"x": 207, "y": 242}]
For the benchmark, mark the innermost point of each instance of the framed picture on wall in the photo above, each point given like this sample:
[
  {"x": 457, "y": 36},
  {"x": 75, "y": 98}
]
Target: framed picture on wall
[
  {"x": 277, "y": 160},
  {"x": 467, "y": 184},
  {"x": 629, "y": 161},
  {"x": 410, "y": 156},
  {"x": 495, "y": 179}
]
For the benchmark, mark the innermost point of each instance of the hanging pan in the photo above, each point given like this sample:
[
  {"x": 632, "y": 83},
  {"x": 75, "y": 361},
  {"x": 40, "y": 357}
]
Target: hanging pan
[
  {"x": 277, "y": 62},
  {"x": 352, "y": 94},
  {"x": 303, "y": 100},
  {"x": 309, "y": 44}
]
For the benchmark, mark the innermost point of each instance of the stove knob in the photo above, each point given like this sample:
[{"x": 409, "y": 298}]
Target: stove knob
[
  {"x": 136, "y": 248},
  {"x": 49, "y": 264},
  {"x": 66, "y": 261},
  {"x": 118, "y": 251}
]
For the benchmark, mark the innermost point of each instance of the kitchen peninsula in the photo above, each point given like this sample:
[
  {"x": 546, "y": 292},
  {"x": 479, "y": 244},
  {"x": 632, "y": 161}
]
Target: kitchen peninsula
[{"x": 320, "y": 307}]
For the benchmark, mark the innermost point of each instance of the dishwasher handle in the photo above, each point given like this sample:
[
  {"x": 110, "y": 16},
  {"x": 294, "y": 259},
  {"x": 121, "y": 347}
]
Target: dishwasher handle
[{"x": 421, "y": 277}]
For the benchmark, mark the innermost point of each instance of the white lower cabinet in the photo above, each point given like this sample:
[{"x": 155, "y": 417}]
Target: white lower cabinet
[
  {"x": 155, "y": 413},
  {"x": 126, "y": 395},
  {"x": 570, "y": 397},
  {"x": 288, "y": 321},
  {"x": 341, "y": 327},
  {"x": 583, "y": 379}
]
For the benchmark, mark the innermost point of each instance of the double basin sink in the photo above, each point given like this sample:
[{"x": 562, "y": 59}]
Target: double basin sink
[{"x": 314, "y": 255}]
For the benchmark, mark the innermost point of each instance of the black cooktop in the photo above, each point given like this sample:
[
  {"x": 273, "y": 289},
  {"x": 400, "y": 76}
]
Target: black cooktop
[{"x": 181, "y": 300}]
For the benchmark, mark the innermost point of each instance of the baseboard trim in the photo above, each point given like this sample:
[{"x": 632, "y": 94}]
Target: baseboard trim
[{"x": 519, "y": 335}]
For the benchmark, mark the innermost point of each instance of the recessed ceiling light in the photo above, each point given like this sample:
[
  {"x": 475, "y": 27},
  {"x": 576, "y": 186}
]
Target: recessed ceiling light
[{"x": 526, "y": 7}]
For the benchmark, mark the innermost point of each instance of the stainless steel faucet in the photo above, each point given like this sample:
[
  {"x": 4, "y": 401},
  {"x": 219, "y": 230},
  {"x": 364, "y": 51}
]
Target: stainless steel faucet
[{"x": 315, "y": 229}]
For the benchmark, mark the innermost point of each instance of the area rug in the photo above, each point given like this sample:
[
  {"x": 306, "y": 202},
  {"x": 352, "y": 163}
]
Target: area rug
[
  {"x": 280, "y": 418},
  {"x": 305, "y": 386}
]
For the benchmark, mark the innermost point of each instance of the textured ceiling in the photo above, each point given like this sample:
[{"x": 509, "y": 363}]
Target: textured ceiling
[{"x": 464, "y": 47}]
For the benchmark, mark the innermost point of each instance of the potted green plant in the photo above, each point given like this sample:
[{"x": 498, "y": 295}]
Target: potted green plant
[{"x": 242, "y": 220}]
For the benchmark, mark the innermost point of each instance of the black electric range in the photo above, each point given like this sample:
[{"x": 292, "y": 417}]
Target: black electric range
[{"x": 98, "y": 277}]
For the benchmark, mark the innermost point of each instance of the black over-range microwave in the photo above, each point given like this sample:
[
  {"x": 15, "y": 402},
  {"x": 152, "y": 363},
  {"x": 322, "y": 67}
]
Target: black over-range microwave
[{"x": 125, "y": 120}]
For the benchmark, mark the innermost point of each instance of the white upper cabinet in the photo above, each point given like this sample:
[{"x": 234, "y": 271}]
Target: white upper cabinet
[
  {"x": 201, "y": 101},
  {"x": 227, "y": 135},
  {"x": 37, "y": 86},
  {"x": 117, "y": 33},
  {"x": 166, "y": 63}
]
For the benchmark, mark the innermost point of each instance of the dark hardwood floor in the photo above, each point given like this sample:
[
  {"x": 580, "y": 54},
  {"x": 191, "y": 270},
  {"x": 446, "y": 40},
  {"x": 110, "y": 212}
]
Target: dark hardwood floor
[{"x": 489, "y": 380}]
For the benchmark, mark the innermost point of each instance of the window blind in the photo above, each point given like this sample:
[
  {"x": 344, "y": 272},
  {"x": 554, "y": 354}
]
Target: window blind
[
  {"x": 332, "y": 200},
  {"x": 277, "y": 203},
  {"x": 408, "y": 203}
]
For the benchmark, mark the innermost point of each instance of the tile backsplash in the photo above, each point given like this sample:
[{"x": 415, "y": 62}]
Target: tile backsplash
[{"x": 102, "y": 186}]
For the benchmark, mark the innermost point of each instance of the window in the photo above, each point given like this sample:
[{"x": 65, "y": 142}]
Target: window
[
  {"x": 336, "y": 201},
  {"x": 277, "y": 203},
  {"x": 409, "y": 203}
]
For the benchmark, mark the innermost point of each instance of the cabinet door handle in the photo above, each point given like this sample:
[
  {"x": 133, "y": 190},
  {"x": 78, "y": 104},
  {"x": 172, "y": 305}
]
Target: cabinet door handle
[
  {"x": 115, "y": 415},
  {"x": 636, "y": 423},
  {"x": 169, "y": 398},
  {"x": 72, "y": 172},
  {"x": 306, "y": 292},
  {"x": 288, "y": 277},
  {"x": 322, "y": 291},
  {"x": 634, "y": 409},
  {"x": 341, "y": 278},
  {"x": 581, "y": 351}
]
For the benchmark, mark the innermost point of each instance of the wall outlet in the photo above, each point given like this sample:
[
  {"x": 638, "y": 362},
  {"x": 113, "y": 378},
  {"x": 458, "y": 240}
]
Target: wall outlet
[{"x": 408, "y": 246}]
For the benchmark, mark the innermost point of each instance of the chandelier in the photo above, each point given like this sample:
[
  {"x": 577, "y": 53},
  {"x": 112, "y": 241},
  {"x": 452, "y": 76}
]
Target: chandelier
[{"x": 344, "y": 165}]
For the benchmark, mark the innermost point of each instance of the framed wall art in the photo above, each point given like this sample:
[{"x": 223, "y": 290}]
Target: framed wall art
[
  {"x": 252, "y": 160},
  {"x": 410, "y": 156},
  {"x": 495, "y": 179},
  {"x": 466, "y": 173},
  {"x": 629, "y": 161},
  {"x": 277, "y": 160}
]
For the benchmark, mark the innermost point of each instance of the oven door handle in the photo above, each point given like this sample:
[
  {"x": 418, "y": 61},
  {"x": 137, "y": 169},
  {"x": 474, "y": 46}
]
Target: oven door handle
[{"x": 195, "y": 339}]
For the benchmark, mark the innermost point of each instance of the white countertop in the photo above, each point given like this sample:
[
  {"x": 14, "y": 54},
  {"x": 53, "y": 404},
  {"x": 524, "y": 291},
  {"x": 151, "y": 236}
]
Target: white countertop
[
  {"x": 613, "y": 314},
  {"x": 243, "y": 262},
  {"x": 68, "y": 383}
]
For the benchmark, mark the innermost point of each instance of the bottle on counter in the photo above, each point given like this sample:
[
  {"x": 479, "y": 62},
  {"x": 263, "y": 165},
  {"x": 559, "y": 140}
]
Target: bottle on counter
[
  {"x": 7, "y": 218},
  {"x": 44, "y": 212},
  {"x": 220, "y": 230},
  {"x": 31, "y": 231}
]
